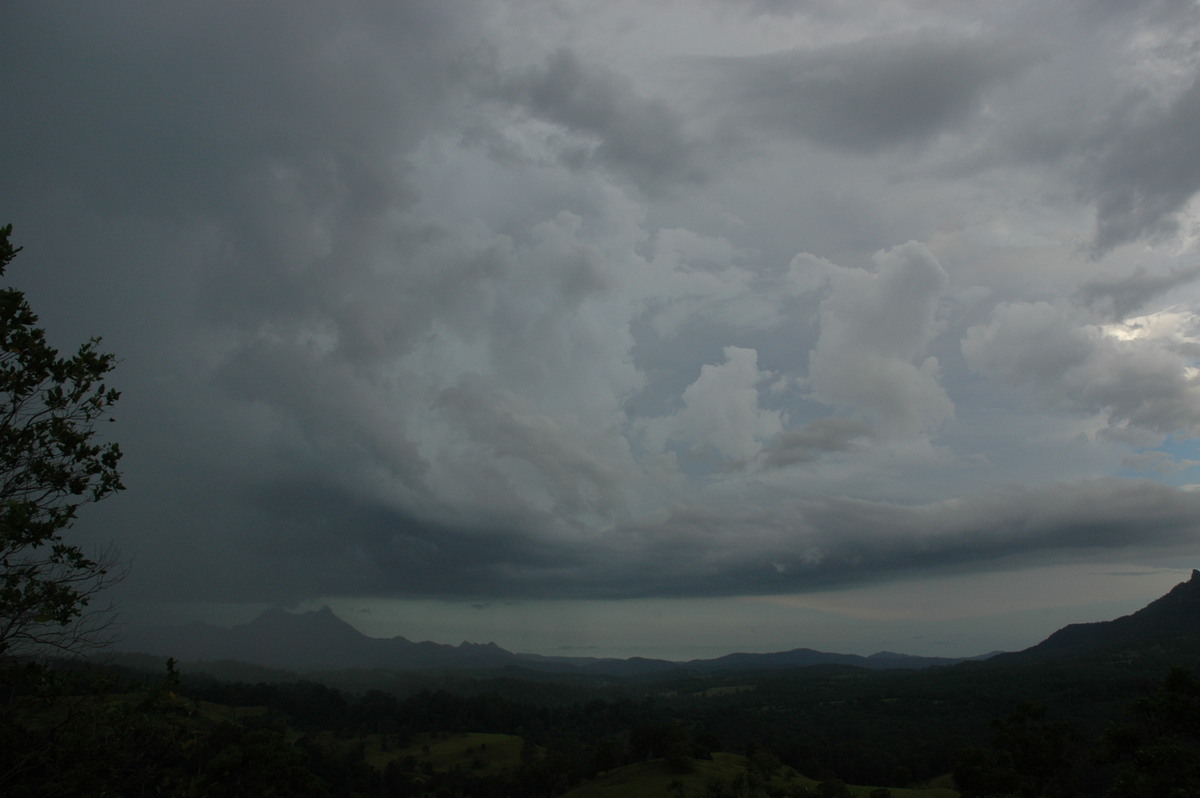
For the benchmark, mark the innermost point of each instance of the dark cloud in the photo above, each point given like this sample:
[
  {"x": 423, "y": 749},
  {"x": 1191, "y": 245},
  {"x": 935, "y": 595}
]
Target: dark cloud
[
  {"x": 1148, "y": 172},
  {"x": 183, "y": 105},
  {"x": 513, "y": 428},
  {"x": 456, "y": 299},
  {"x": 641, "y": 139},
  {"x": 307, "y": 538},
  {"x": 845, "y": 542},
  {"x": 815, "y": 440},
  {"x": 1118, "y": 298},
  {"x": 871, "y": 94},
  {"x": 323, "y": 410}
]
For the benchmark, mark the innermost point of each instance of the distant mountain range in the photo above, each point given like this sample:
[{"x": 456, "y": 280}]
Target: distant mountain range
[
  {"x": 320, "y": 641},
  {"x": 796, "y": 658},
  {"x": 308, "y": 641}
]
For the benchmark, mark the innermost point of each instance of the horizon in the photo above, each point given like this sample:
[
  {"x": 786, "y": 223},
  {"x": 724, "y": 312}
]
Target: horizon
[
  {"x": 940, "y": 637},
  {"x": 637, "y": 327}
]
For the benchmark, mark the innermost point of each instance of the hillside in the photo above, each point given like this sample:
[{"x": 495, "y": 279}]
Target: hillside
[
  {"x": 732, "y": 773},
  {"x": 1168, "y": 627}
]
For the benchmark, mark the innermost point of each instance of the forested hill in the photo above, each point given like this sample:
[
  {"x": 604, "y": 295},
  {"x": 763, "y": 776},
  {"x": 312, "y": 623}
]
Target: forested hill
[{"x": 1170, "y": 625}]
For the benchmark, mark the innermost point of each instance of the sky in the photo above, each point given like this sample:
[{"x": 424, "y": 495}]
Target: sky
[{"x": 639, "y": 327}]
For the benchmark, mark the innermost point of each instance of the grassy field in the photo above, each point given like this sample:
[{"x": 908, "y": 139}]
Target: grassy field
[
  {"x": 485, "y": 755},
  {"x": 728, "y": 690},
  {"x": 218, "y": 712},
  {"x": 655, "y": 779},
  {"x": 480, "y": 754}
]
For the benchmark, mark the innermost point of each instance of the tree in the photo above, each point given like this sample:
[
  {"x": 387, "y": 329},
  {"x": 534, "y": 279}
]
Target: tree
[
  {"x": 833, "y": 788},
  {"x": 51, "y": 463},
  {"x": 1160, "y": 743},
  {"x": 1038, "y": 752},
  {"x": 1031, "y": 757}
]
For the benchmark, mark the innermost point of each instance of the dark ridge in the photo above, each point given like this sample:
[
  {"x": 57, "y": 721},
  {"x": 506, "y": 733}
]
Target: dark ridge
[{"x": 1173, "y": 617}]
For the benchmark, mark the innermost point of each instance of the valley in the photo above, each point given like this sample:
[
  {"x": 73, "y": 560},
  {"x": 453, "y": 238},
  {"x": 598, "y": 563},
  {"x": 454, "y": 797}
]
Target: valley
[{"x": 1055, "y": 719}]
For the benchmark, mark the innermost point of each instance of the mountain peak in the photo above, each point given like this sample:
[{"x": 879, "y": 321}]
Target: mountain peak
[
  {"x": 1175, "y": 613},
  {"x": 280, "y": 615},
  {"x": 279, "y": 621},
  {"x": 320, "y": 640}
]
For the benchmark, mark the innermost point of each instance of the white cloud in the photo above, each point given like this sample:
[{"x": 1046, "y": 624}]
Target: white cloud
[
  {"x": 875, "y": 330},
  {"x": 1138, "y": 379},
  {"x": 721, "y": 410}
]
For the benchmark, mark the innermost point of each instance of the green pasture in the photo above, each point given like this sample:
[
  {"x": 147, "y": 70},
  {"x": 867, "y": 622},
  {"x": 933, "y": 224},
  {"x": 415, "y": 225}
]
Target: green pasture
[
  {"x": 655, "y": 779},
  {"x": 480, "y": 754},
  {"x": 219, "y": 712}
]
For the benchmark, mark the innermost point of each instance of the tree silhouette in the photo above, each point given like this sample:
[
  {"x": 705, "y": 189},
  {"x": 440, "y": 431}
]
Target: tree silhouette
[{"x": 50, "y": 464}]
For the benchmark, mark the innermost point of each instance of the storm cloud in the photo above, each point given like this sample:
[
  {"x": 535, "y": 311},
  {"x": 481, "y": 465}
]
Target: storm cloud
[
  {"x": 487, "y": 301},
  {"x": 874, "y": 93}
]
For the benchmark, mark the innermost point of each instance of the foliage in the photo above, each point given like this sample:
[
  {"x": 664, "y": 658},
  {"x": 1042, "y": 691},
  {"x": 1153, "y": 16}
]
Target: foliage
[
  {"x": 1031, "y": 757},
  {"x": 723, "y": 774},
  {"x": 106, "y": 737},
  {"x": 899, "y": 729},
  {"x": 1160, "y": 744},
  {"x": 833, "y": 788},
  {"x": 50, "y": 464}
]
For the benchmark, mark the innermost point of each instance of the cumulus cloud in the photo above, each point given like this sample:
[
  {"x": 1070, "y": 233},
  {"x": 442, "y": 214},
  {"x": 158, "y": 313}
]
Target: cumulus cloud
[
  {"x": 1136, "y": 382},
  {"x": 721, "y": 411},
  {"x": 1031, "y": 343},
  {"x": 875, "y": 330}
]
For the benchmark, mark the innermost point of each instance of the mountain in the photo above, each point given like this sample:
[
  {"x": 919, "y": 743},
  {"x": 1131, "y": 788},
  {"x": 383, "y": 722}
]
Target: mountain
[
  {"x": 1164, "y": 631},
  {"x": 1167, "y": 626},
  {"x": 801, "y": 657},
  {"x": 781, "y": 660},
  {"x": 319, "y": 640},
  {"x": 316, "y": 640}
]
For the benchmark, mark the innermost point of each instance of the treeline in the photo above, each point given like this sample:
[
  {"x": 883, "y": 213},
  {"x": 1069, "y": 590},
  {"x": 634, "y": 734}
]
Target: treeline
[
  {"x": 829, "y": 722},
  {"x": 106, "y": 732},
  {"x": 563, "y": 744},
  {"x": 72, "y": 732}
]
